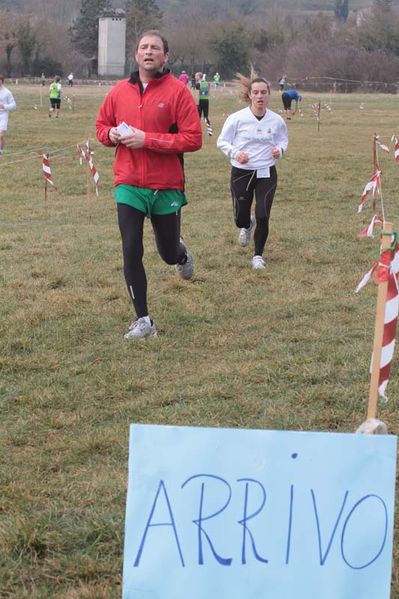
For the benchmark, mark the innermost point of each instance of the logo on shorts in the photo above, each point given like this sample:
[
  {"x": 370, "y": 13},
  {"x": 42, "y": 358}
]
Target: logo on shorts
[
  {"x": 161, "y": 105},
  {"x": 174, "y": 203}
]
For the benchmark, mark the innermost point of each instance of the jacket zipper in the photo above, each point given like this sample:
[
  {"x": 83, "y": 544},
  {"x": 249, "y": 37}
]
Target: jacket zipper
[{"x": 141, "y": 127}]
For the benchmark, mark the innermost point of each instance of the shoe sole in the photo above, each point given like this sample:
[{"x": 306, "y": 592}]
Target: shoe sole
[
  {"x": 148, "y": 337},
  {"x": 134, "y": 337}
]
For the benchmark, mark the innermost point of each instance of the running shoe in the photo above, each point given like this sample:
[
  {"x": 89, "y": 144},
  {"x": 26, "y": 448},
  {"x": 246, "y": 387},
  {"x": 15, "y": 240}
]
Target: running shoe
[
  {"x": 141, "y": 329},
  {"x": 186, "y": 270},
  {"x": 258, "y": 263},
  {"x": 245, "y": 234}
]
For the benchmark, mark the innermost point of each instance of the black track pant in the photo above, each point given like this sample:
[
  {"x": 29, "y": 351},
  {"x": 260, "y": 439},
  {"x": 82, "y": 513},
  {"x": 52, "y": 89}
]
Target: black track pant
[
  {"x": 287, "y": 100},
  {"x": 167, "y": 236},
  {"x": 244, "y": 184},
  {"x": 203, "y": 108}
]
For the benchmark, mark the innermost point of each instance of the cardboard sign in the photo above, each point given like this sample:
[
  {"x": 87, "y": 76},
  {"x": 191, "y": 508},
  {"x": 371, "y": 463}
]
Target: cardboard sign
[{"x": 252, "y": 514}]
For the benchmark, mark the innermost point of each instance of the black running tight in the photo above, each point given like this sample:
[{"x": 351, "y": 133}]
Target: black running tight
[
  {"x": 244, "y": 184},
  {"x": 167, "y": 236},
  {"x": 203, "y": 108}
]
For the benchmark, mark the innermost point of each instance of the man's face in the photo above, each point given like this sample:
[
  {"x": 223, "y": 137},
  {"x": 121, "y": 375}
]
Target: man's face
[{"x": 150, "y": 55}]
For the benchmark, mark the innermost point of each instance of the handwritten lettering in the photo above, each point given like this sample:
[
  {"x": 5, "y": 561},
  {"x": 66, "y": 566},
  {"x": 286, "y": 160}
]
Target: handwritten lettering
[
  {"x": 150, "y": 523},
  {"x": 214, "y": 498}
]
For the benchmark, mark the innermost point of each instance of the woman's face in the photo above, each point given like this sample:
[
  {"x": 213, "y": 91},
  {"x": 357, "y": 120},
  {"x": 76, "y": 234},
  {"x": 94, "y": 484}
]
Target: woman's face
[{"x": 259, "y": 96}]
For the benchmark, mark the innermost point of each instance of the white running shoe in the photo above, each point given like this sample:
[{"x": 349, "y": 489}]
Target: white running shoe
[
  {"x": 245, "y": 234},
  {"x": 258, "y": 263},
  {"x": 186, "y": 270},
  {"x": 141, "y": 329}
]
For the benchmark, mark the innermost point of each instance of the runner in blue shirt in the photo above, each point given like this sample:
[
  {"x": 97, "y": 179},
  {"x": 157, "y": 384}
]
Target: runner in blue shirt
[{"x": 287, "y": 97}]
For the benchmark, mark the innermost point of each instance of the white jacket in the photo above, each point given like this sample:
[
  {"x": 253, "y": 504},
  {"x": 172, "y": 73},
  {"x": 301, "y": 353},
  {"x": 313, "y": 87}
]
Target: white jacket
[
  {"x": 7, "y": 99},
  {"x": 243, "y": 132}
]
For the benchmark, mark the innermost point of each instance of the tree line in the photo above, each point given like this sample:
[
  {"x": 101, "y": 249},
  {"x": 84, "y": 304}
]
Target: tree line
[{"x": 338, "y": 43}]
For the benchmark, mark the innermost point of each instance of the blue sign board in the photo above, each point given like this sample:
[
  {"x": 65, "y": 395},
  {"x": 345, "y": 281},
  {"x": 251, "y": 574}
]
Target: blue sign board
[{"x": 258, "y": 514}]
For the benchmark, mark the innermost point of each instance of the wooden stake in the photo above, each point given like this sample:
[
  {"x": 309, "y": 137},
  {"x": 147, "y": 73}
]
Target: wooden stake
[
  {"x": 45, "y": 198},
  {"x": 375, "y": 161},
  {"x": 318, "y": 117},
  {"x": 378, "y": 330},
  {"x": 88, "y": 193}
]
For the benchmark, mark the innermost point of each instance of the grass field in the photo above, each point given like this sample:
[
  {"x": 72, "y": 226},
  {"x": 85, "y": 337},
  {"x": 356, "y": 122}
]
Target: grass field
[{"x": 284, "y": 348}]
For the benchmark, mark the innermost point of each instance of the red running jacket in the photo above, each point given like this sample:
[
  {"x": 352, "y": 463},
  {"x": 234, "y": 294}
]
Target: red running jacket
[{"x": 166, "y": 111}]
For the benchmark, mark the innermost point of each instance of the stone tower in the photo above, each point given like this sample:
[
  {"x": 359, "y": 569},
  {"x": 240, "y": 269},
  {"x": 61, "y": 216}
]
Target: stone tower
[{"x": 112, "y": 43}]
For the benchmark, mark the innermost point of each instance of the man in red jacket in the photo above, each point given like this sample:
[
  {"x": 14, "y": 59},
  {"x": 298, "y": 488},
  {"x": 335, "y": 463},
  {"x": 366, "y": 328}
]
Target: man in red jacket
[{"x": 152, "y": 119}]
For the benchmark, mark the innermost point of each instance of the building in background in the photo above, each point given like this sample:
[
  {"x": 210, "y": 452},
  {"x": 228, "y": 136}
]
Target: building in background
[{"x": 112, "y": 43}]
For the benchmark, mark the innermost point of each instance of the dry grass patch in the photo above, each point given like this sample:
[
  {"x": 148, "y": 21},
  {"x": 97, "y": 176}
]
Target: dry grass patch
[{"x": 287, "y": 348}]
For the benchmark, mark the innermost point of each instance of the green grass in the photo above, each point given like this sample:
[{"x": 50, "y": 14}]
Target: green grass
[{"x": 287, "y": 348}]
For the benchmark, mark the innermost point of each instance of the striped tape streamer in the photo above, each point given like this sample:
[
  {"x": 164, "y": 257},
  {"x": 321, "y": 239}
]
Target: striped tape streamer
[
  {"x": 81, "y": 154},
  {"x": 390, "y": 325},
  {"x": 369, "y": 230},
  {"x": 383, "y": 147},
  {"x": 387, "y": 268},
  {"x": 47, "y": 170},
  {"x": 388, "y": 343},
  {"x": 94, "y": 173},
  {"x": 396, "y": 151},
  {"x": 374, "y": 185},
  {"x": 208, "y": 127}
]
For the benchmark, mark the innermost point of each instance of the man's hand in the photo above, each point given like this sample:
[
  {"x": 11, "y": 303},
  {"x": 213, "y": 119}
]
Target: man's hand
[
  {"x": 1, "y": 106},
  {"x": 114, "y": 136},
  {"x": 133, "y": 141}
]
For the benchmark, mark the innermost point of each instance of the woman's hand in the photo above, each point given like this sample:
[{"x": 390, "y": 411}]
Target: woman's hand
[
  {"x": 276, "y": 152},
  {"x": 242, "y": 157}
]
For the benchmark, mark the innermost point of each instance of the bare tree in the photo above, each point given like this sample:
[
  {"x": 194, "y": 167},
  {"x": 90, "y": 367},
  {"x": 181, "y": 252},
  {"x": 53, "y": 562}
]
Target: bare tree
[
  {"x": 8, "y": 38},
  {"x": 188, "y": 41},
  {"x": 140, "y": 15},
  {"x": 26, "y": 38}
]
